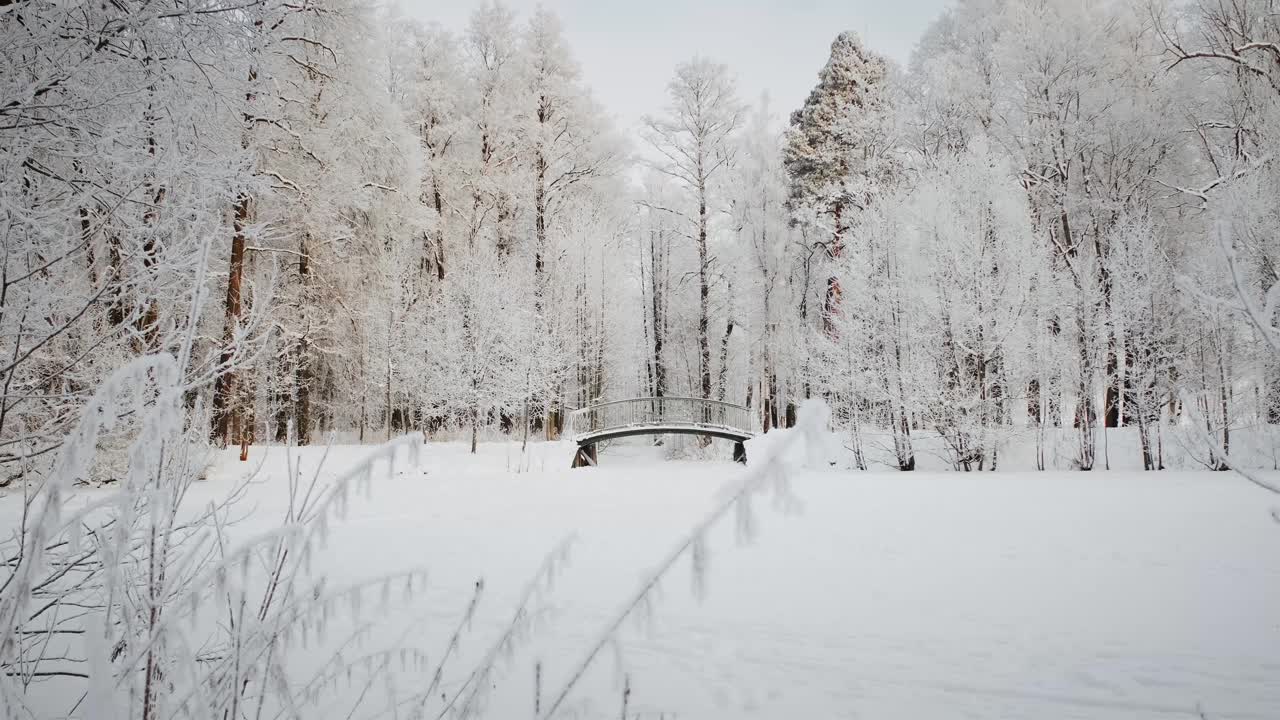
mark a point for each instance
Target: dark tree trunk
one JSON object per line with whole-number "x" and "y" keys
{"x": 722, "y": 384}
{"x": 304, "y": 373}
{"x": 540, "y": 246}
{"x": 86, "y": 236}
{"x": 540, "y": 197}
{"x": 1224, "y": 399}
{"x": 831, "y": 303}
{"x": 704, "y": 297}
{"x": 438, "y": 250}
{"x": 1085, "y": 416}
{"x": 116, "y": 314}
{"x": 302, "y": 405}
{"x": 227, "y": 411}
{"x": 659, "y": 317}
{"x": 907, "y": 459}
{"x": 772, "y": 415}
{"x": 1113, "y": 397}
{"x": 148, "y": 324}
{"x": 475, "y": 427}
{"x": 1033, "y": 403}
{"x": 1271, "y": 367}
{"x": 284, "y": 406}
{"x": 225, "y": 407}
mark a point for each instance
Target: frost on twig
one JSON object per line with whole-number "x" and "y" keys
{"x": 148, "y": 576}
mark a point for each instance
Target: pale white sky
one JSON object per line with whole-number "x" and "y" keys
{"x": 627, "y": 49}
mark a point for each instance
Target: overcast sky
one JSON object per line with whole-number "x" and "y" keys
{"x": 628, "y": 48}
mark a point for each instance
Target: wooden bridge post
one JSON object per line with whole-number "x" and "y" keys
{"x": 739, "y": 453}
{"x": 585, "y": 457}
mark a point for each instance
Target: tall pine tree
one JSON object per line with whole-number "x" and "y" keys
{"x": 834, "y": 144}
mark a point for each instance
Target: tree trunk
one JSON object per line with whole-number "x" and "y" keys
{"x": 1112, "y": 397}
{"x": 283, "y": 407}
{"x": 1225, "y": 405}
{"x": 1034, "y": 418}
{"x": 524, "y": 434}
{"x": 659, "y": 317}
{"x": 438, "y": 250}
{"x": 475, "y": 427}
{"x": 1271, "y": 364}
{"x": 302, "y": 405}
{"x": 86, "y": 236}
{"x": 1085, "y": 417}
{"x": 433, "y": 253}
{"x": 390, "y": 321}
{"x": 303, "y": 374}
{"x": 768, "y": 395}
{"x": 831, "y": 303}
{"x": 539, "y": 257}
{"x": 704, "y": 296}
{"x": 364, "y": 400}
{"x": 225, "y": 407}
{"x": 227, "y": 412}
{"x": 148, "y": 324}
{"x": 724, "y": 362}
{"x": 540, "y": 200}
{"x": 116, "y": 314}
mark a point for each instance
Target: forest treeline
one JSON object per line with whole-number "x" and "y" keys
{"x": 1059, "y": 215}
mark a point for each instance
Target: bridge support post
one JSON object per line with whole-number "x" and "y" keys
{"x": 740, "y": 453}
{"x": 586, "y": 456}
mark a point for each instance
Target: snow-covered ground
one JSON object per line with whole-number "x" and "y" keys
{"x": 883, "y": 595}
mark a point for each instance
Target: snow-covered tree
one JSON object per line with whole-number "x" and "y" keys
{"x": 765, "y": 240}
{"x": 695, "y": 146}
{"x": 838, "y": 146}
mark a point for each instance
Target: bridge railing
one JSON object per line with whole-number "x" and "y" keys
{"x": 649, "y": 412}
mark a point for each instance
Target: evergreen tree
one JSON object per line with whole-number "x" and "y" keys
{"x": 835, "y": 148}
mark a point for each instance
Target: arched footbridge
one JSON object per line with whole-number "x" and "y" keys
{"x": 657, "y": 416}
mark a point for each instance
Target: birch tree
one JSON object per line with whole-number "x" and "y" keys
{"x": 694, "y": 144}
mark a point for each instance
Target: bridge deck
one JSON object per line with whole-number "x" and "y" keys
{"x": 657, "y": 416}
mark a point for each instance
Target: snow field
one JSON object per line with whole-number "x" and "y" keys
{"x": 881, "y": 595}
